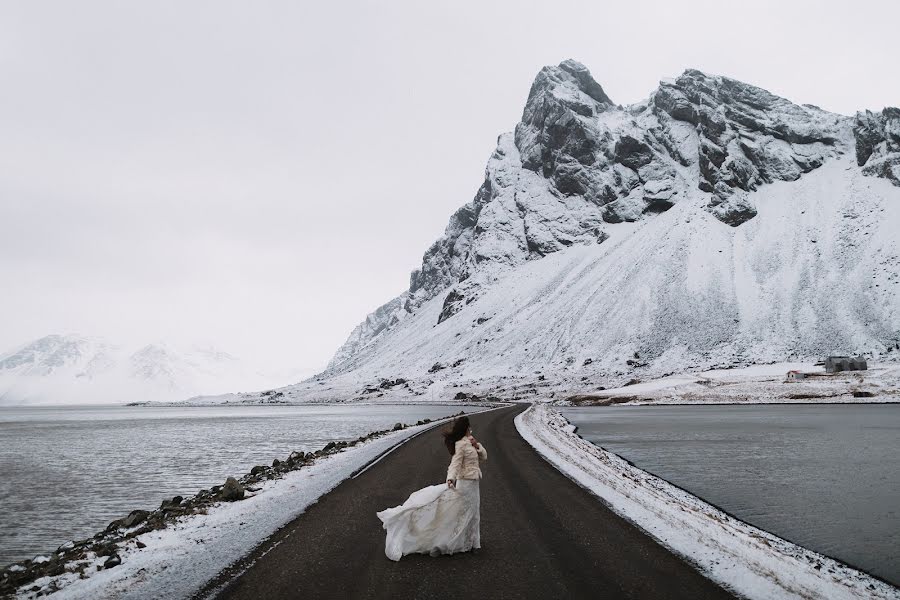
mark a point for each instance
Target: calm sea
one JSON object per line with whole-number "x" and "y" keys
{"x": 826, "y": 477}
{"x": 65, "y": 473}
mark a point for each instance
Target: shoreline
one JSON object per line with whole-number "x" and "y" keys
{"x": 124, "y": 540}
{"x": 753, "y": 562}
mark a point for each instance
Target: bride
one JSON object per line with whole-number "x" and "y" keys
{"x": 443, "y": 518}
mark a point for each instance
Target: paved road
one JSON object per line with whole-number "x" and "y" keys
{"x": 542, "y": 537}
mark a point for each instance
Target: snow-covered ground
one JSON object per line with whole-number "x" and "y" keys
{"x": 760, "y": 384}
{"x": 180, "y": 559}
{"x": 752, "y": 562}
{"x": 755, "y": 384}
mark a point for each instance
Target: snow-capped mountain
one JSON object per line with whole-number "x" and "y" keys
{"x": 62, "y": 369}
{"x": 713, "y": 224}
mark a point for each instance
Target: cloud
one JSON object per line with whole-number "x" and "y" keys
{"x": 261, "y": 176}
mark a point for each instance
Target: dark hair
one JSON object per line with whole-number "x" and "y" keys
{"x": 455, "y": 432}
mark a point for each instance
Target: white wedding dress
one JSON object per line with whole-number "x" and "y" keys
{"x": 435, "y": 520}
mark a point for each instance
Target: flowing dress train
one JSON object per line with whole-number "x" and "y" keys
{"x": 435, "y": 520}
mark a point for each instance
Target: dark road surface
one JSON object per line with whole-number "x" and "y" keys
{"x": 542, "y": 536}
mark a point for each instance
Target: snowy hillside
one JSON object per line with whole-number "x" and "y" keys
{"x": 62, "y": 369}
{"x": 712, "y": 225}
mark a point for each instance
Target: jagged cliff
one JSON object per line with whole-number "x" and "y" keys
{"x": 580, "y": 172}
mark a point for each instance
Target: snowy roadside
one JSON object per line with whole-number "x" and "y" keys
{"x": 747, "y": 560}
{"x": 177, "y": 561}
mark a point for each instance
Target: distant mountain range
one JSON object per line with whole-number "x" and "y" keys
{"x": 66, "y": 369}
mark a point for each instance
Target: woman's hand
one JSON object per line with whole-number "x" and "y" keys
{"x": 473, "y": 441}
{"x": 451, "y": 483}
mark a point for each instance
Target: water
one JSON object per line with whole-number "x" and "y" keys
{"x": 826, "y": 477}
{"x": 65, "y": 473}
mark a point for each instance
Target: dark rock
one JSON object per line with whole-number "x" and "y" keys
{"x": 436, "y": 367}
{"x": 460, "y": 396}
{"x": 105, "y": 549}
{"x": 863, "y": 394}
{"x": 389, "y": 383}
{"x": 733, "y": 211}
{"x": 112, "y": 561}
{"x": 453, "y": 303}
{"x": 276, "y": 463}
{"x": 140, "y": 544}
{"x": 113, "y": 525}
{"x": 657, "y": 205}
{"x": 135, "y": 517}
{"x": 231, "y": 491}
{"x": 397, "y": 427}
{"x": 258, "y": 469}
{"x": 632, "y": 153}
{"x": 587, "y": 361}
{"x": 877, "y": 138}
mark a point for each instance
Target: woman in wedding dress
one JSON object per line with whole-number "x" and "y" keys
{"x": 443, "y": 518}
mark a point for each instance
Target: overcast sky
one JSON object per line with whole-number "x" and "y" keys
{"x": 261, "y": 175}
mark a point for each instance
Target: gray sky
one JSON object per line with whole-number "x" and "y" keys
{"x": 261, "y": 175}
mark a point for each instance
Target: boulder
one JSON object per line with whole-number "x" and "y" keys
{"x": 231, "y": 491}
{"x": 135, "y": 517}
{"x": 174, "y": 502}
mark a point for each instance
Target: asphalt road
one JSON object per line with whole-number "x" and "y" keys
{"x": 542, "y": 536}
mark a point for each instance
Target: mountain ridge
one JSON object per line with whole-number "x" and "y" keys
{"x": 74, "y": 368}
{"x": 577, "y": 165}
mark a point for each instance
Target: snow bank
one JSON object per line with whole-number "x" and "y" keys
{"x": 747, "y": 560}
{"x": 180, "y": 559}
{"x": 761, "y": 384}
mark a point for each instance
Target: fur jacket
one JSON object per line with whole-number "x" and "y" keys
{"x": 464, "y": 464}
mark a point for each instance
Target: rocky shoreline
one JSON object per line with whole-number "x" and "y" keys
{"x": 80, "y": 556}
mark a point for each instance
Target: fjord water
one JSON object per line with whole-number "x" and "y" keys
{"x": 826, "y": 477}
{"x": 66, "y": 472}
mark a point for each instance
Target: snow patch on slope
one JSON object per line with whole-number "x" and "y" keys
{"x": 815, "y": 272}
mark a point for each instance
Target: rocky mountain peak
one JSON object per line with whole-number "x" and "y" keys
{"x": 556, "y": 135}
{"x": 577, "y": 165}
{"x": 747, "y": 136}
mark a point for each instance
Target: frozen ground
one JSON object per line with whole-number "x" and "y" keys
{"x": 758, "y": 384}
{"x": 752, "y": 562}
{"x": 180, "y": 559}
{"x": 764, "y": 383}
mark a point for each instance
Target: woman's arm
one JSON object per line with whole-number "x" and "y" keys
{"x": 482, "y": 453}
{"x": 479, "y": 449}
{"x": 453, "y": 469}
